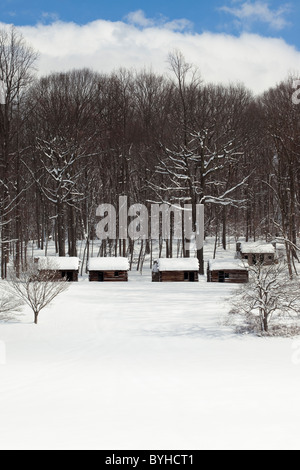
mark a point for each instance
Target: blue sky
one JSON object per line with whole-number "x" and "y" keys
{"x": 228, "y": 16}
{"x": 256, "y": 42}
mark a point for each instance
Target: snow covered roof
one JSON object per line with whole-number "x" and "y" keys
{"x": 53, "y": 263}
{"x": 108, "y": 264}
{"x": 226, "y": 265}
{"x": 257, "y": 248}
{"x": 178, "y": 264}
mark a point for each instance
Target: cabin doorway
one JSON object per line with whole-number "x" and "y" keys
{"x": 189, "y": 277}
{"x": 69, "y": 275}
{"x": 221, "y": 276}
{"x": 258, "y": 259}
{"x": 100, "y": 277}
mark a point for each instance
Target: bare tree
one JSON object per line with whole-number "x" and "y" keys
{"x": 206, "y": 168}
{"x": 17, "y": 61}
{"x": 187, "y": 81}
{"x": 65, "y": 137}
{"x": 282, "y": 130}
{"x": 270, "y": 295}
{"x": 37, "y": 288}
{"x": 9, "y": 305}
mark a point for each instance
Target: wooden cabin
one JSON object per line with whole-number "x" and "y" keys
{"x": 108, "y": 269}
{"x": 227, "y": 271}
{"x": 255, "y": 253}
{"x": 176, "y": 270}
{"x": 64, "y": 267}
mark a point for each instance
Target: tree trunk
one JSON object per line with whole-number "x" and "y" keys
{"x": 72, "y": 232}
{"x": 266, "y": 326}
{"x": 200, "y": 256}
{"x": 61, "y": 231}
{"x": 224, "y": 241}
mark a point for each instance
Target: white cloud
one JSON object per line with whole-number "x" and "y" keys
{"x": 50, "y": 16}
{"x": 257, "y": 61}
{"x": 259, "y": 11}
{"x": 139, "y": 18}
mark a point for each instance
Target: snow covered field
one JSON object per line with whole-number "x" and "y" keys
{"x": 145, "y": 366}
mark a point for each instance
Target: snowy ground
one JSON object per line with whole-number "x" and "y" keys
{"x": 145, "y": 366}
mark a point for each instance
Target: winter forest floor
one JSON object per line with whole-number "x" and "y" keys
{"x": 145, "y": 366}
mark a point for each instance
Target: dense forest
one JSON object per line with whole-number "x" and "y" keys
{"x": 71, "y": 141}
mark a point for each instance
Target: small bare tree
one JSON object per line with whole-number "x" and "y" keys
{"x": 37, "y": 288}
{"x": 270, "y": 294}
{"x": 9, "y": 305}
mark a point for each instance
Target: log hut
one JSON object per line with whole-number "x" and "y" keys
{"x": 176, "y": 270}
{"x": 64, "y": 267}
{"x": 108, "y": 269}
{"x": 227, "y": 271}
{"x": 255, "y": 253}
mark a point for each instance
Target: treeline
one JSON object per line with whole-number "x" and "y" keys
{"x": 71, "y": 141}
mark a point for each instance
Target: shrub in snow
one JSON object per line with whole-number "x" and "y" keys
{"x": 37, "y": 288}
{"x": 269, "y": 302}
{"x": 9, "y": 305}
